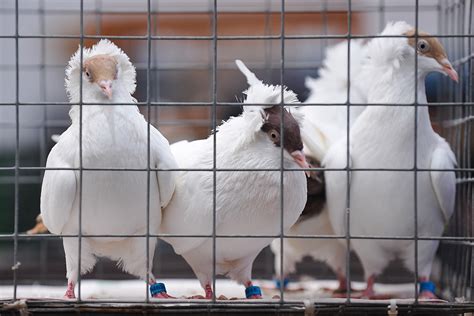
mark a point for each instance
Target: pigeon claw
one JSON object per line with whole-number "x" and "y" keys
{"x": 70, "y": 291}
{"x": 162, "y": 295}
{"x": 427, "y": 295}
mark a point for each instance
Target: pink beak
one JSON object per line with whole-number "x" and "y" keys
{"x": 106, "y": 86}
{"x": 449, "y": 70}
{"x": 300, "y": 159}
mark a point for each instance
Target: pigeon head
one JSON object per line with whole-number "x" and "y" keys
{"x": 101, "y": 70}
{"x": 105, "y": 71}
{"x": 292, "y": 142}
{"x": 400, "y": 46}
{"x": 431, "y": 54}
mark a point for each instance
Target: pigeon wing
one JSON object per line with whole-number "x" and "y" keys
{"x": 444, "y": 182}
{"x": 58, "y": 191}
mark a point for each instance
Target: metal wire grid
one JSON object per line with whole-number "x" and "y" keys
{"x": 457, "y": 257}
{"x": 463, "y": 99}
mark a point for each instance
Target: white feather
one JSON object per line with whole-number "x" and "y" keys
{"x": 323, "y": 126}
{"x": 113, "y": 202}
{"x": 246, "y": 202}
{"x": 382, "y": 202}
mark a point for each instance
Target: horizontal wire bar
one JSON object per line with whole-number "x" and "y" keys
{"x": 356, "y": 8}
{"x": 339, "y": 305}
{"x": 200, "y": 66}
{"x": 242, "y": 236}
{"x": 228, "y": 37}
{"x": 37, "y": 179}
{"x": 66, "y": 123}
{"x": 206, "y": 103}
{"x": 239, "y": 170}
{"x": 462, "y": 60}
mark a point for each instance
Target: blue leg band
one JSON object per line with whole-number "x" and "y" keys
{"x": 285, "y": 283}
{"x": 427, "y": 286}
{"x": 252, "y": 290}
{"x": 157, "y": 288}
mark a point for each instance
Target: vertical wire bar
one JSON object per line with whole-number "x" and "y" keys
{"x": 214, "y": 149}
{"x": 381, "y": 14}
{"x": 324, "y": 9}
{"x": 81, "y": 167}
{"x": 448, "y": 29}
{"x": 467, "y": 45}
{"x": 98, "y": 17}
{"x": 17, "y": 155}
{"x": 415, "y": 189}
{"x": 439, "y": 97}
{"x": 461, "y": 138}
{"x": 268, "y": 66}
{"x": 268, "y": 45}
{"x": 154, "y": 76}
{"x": 282, "y": 105}
{"x": 156, "y": 73}
{"x": 43, "y": 129}
{"x": 148, "y": 172}
{"x": 455, "y": 50}
{"x": 98, "y": 30}
{"x": 468, "y": 158}
{"x": 348, "y": 155}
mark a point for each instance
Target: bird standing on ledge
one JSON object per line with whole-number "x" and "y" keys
{"x": 324, "y": 125}
{"x": 247, "y": 202}
{"x": 112, "y": 202}
{"x": 382, "y": 203}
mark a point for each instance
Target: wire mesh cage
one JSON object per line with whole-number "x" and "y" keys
{"x": 187, "y": 83}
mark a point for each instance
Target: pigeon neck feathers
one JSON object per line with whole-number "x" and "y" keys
{"x": 392, "y": 61}
{"x": 124, "y": 85}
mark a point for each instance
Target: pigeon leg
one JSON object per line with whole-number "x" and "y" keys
{"x": 427, "y": 289}
{"x": 158, "y": 290}
{"x": 342, "y": 287}
{"x": 207, "y": 290}
{"x": 252, "y": 291}
{"x": 70, "y": 291}
{"x": 369, "y": 290}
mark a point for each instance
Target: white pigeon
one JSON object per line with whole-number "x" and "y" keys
{"x": 322, "y": 127}
{"x": 382, "y": 203}
{"x": 113, "y": 202}
{"x": 247, "y": 202}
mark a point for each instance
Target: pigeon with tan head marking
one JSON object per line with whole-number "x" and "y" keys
{"x": 382, "y": 203}
{"x": 112, "y": 202}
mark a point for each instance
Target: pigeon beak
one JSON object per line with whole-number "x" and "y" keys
{"x": 449, "y": 70}
{"x": 300, "y": 159}
{"x": 106, "y": 86}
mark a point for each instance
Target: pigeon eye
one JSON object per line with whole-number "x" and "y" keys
{"x": 274, "y": 135}
{"x": 423, "y": 46}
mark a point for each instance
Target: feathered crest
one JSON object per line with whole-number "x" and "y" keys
{"x": 268, "y": 95}
{"x": 243, "y": 129}
{"x": 126, "y": 71}
{"x": 390, "y": 50}
{"x": 263, "y": 94}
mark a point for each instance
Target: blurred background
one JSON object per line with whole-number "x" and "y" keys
{"x": 181, "y": 72}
